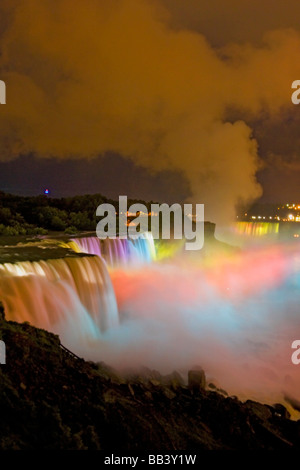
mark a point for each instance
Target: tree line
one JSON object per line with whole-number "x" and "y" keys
{"x": 37, "y": 215}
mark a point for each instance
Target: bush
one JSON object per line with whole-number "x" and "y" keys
{"x": 10, "y": 231}
{"x": 71, "y": 230}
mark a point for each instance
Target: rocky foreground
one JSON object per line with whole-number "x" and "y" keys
{"x": 50, "y": 399}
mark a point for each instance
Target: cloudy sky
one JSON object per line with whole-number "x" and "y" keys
{"x": 157, "y": 99}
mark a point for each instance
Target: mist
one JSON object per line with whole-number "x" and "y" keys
{"x": 236, "y": 319}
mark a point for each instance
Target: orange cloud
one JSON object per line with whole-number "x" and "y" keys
{"x": 85, "y": 78}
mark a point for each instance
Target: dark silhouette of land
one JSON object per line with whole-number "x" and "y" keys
{"x": 50, "y": 399}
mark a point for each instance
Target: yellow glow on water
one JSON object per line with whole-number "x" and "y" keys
{"x": 167, "y": 249}
{"x": 70, "y": 244}
{"x": 257, "y": 229}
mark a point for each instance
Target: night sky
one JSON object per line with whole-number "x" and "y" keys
{"x": 161, "y": 100}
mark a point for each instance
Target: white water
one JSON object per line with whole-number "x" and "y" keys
{"x": 72, "y": 297}
{"x": 119, "y": 252}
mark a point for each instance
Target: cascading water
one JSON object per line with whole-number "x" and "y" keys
{"x": 72, "y": 297}
{"x": 257, "y": 229}
{"x": 118, "y": 251}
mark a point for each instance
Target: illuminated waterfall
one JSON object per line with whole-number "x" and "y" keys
{"x": 257, "y": 229}
{"x": 118, "y": 251}
{"x": 72, "y": 297}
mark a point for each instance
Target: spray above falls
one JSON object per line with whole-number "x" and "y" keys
{"x": 151, "y": 93}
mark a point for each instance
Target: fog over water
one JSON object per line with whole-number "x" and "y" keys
{"x": 233, "y": 312}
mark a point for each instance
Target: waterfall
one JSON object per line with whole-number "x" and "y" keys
{"x": 118, "y": 251}
{"x": 72, "y": 297}
{"x": 257, "y": 229}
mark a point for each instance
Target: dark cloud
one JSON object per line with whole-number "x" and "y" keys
{"x": 233, "y": 20}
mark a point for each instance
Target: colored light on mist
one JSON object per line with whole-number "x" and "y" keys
{"x": 46, "y": 191}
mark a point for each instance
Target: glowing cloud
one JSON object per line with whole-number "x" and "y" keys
{"x": 88, "y": 77}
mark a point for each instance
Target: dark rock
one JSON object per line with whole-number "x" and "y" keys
{"x": 196, "y": 380}
{"x": 148, "y": 395}
{"x": 281, "y": 410}
{"x": 51, "y": 400}
{"x": 131, "y": 389}
{"x": 169, "y": 394}
{"x": 174, "y": 380}
{"x": 212, "y": 386}
{"x": 2, "y": 313}
{"x": 262, "y": 411}
{"x": 144, "y": 375}
{"x": 155, "y": 383}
